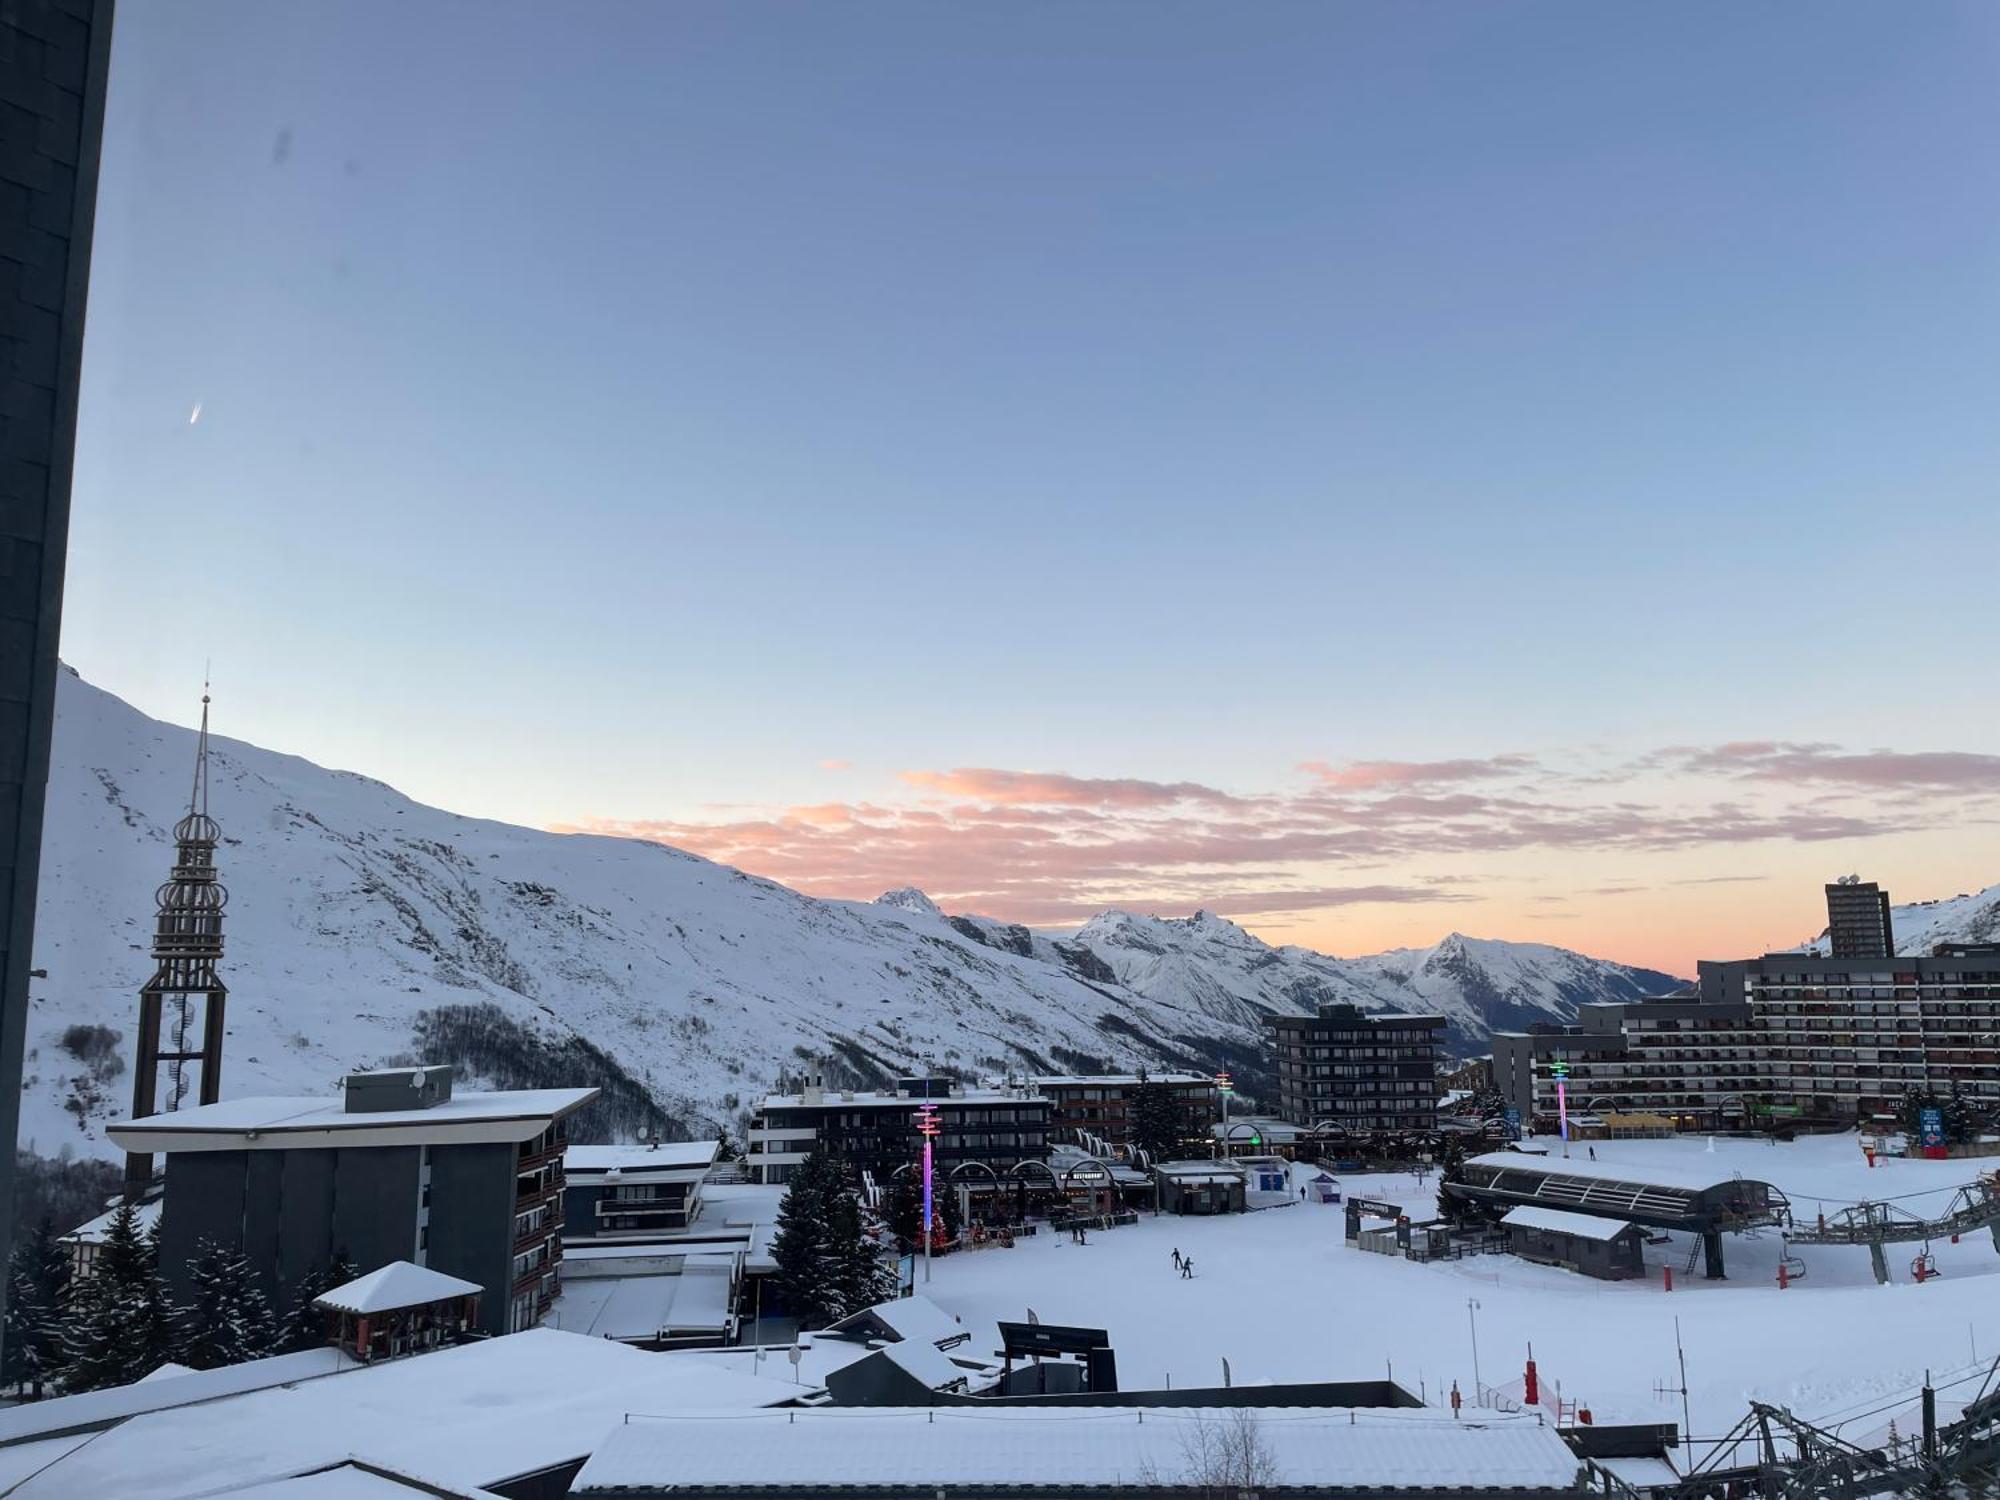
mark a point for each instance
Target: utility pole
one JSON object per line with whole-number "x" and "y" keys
{"x": 1472, "y": 1318}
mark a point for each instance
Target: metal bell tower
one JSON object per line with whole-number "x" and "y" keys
{"x": 185, "y": 997}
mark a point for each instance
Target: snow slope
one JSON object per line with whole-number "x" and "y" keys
{"x": 356, "y": 912}
{"x": 1922, "y": 925}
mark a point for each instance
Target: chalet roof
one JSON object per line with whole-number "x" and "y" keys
{"x": 398, "y": 1285}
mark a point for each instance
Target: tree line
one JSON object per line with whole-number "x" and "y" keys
{"x": 118, "y": 1324}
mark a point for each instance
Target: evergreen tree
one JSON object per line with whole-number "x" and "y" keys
{"x": 305, "y": 1326}
{"x": 861, "y": 1277}
{"x": 1156, "y": 1126}
{"x": 121, "y": 1326}
{"x": 228, "y": 1319}
{"x": 806, "y": 1273}
{"x": 38, "y": 1283}
{"x": 906, "y": 1210}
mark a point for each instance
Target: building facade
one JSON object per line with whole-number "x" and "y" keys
{"x": 634, "y": 1192}
{"x": 399, "y": 1169}
{"x": 1857, "y": 920}
{"x": 1363, "y": 1072}
{"x": 874, "y": 1132}
{"x": 1786, "y": 1036}
{"x": 1099, "y": 1105}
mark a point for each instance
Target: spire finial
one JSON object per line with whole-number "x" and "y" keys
{"x": 198, "y": 794}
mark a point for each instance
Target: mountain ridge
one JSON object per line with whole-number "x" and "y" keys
{"x": 366, "y": 927}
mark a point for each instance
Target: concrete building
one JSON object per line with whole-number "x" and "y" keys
{"x": 1099, "y": 1105}
{"x": 634, "y": 1192}
{"x": 875, "y": 1131}
{"x": 1789, "y": 1036}
{"x": 1363, "y": 1072}
{"x": 1857, "y": 920}
{"x": 398, "y": 1169}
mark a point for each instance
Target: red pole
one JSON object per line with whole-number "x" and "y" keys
{"x": 1784, "y": 1280}
{"x": 1531, "y": 1385}
{"x": 1668, "y": 1272}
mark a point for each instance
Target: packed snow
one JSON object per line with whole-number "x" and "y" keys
{"x": 1281, "y": 1297}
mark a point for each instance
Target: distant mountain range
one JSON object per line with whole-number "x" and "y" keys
{"x": 365, "y": 927}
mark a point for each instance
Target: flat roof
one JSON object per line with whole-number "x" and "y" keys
{"x": 830, "y": 1449}
{"x": 880, "y": 1099}
{"x": 1081, "y": 1080}
{"x": 1583, "y": 1226}
{"x": 676, "y": 1156}
{"x": 693, "y": 1299}
{"x": 160, "y": 1392}
{"x": 469, "y": 1416}
{"x": 277, "y": 1122}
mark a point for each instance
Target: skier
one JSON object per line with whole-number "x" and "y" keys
{"x": 1593, "y": 1153}
{"x": 1187, "y": 1268}
{"x": 1177, "y": 1257}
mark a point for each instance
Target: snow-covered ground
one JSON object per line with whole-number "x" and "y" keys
{"x": 1282, "y": 1297}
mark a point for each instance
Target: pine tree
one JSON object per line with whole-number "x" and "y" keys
{"x": 806, "y": 1273}
{"x": 305, "y": 1326}
{"x": 121, "y": 1326}
{"x": 227, "y": 1319}
{"x": 38, "y": 1283}
{"x": 1156, "y": 1120}
{"x": 861, "y": 1277}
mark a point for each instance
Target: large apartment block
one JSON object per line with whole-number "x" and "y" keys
{"x": 1788, "y": 1035}
{"x": 875, "y": 1131}
{"x": 1099, "y": 1105}
{"x": 399, "y": 1168}
{"x": 1361, "y": 1071}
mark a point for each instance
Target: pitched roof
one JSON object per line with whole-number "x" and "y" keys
{"x": 397, "y": 1285}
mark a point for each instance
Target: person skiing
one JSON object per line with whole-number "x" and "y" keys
{"x": 1177, "y": 1257}
{"x": 1187, "y": 1267}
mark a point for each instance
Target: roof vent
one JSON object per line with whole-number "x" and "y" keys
{"x": 398, "y": 1088}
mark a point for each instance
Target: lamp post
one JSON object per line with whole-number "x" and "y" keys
{"x": 1472, "y": 1318}
{"x": 927, "y": 1127}
{"x": 1223, "y": 1087}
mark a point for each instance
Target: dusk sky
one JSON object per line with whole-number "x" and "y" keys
{"x": 1367, "y": 469}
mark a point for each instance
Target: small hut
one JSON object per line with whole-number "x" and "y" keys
{"x": 402, "y": 1309}
{"x": 1609, "y": 1249}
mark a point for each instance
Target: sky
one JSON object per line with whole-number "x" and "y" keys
{"x": 1370, "y": 470}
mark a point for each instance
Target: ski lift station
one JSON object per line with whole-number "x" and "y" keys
{"x": 1707, "y": 1204}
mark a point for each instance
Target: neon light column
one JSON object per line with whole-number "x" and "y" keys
{"x": 927, "y": 1127}
{"x": 1559, "y": 1070}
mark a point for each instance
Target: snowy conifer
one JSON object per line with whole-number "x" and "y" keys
{"x": 1156, "y": 1121}
{"x": 38, "y": 1282}
{"x": 228, "y": 1318}
{"x": 807, "y": 1273}
{"x": 121, "y": 1326}
{"x": 305, "y": 1326}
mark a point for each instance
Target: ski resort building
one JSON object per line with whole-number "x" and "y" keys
{"x": 875, "y": 1131}
{"x": 1786, "y": 1036}
{"x": 634, "y": 1192}
{"x": 1099, "y": 1105}
{"x": 1362, "y": 1072}
{"x": 397, "y": 1169}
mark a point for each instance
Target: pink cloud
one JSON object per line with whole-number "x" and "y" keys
{"x": 836, "y": 765}
{"x": 1371, "y": 775}
{"x": 1054, "y": 789}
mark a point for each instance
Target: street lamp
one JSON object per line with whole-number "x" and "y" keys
{"x": 927, "y": 1127}
{"x": 1472, "y": 1318}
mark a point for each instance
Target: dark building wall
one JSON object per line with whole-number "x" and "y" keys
{"x": 204, "y": 1200}
{"x": 472, "y": 1222}
{"x": 374, "y": 1205}
{"x": 54, "y": 55}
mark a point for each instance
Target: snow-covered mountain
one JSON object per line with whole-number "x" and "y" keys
{"x": 1922, "y": 925}
{"x": 364, "y": 926}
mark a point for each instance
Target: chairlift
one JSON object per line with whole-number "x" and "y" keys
{"x": 1794, "y": 1265}
{"x": 1924, "y": 1267}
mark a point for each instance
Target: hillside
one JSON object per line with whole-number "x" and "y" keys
{"x": 365, "y": 927}
{"x": 1920, "y": 926}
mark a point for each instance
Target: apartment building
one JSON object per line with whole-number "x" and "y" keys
{"x": 875, "y": 1131}
{"x": 1099, "y": 1105}
{"x": 1361, "y": 1071}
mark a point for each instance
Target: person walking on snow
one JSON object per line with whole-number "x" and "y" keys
{"x": 1177, "y": 1257}
{"x": 1187, "y": 1267}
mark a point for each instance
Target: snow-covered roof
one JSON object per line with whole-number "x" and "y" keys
{"x": 1117, "y": 1080}
{"x": 917, "y": 1319}
{"x": 694, "y": 1299}
{"x": 842, "y": 1448}
{"x": 960, "y": 1097}
{"x": 397, "y": 1285}
{"x": 925, "y": 1362}
{"x": 1200, "y": 1171}
{"x": 474, "y": 1415}
{"x": 279, "y": 1122}
{"x": 1650, "y": 1175}
{"x": 92, "y": 1231}
{"x": 1557, "y": 1221}
{"x": 674, "y": 1156}
{"x": 89, "y": 1409}
{"x": 353, "y": 1481}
